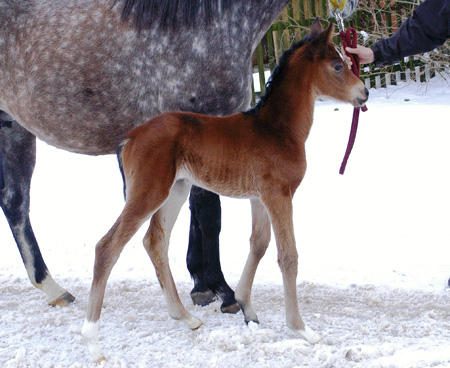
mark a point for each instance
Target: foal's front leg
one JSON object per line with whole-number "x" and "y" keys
{"x": 280, "y": 210}
{"x": 156, "y": 243}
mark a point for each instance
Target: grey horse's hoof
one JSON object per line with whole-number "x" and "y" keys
{"x": 231, "y": 309}
{"x": 203, "y": 298}
{"x": 63, "y": 301}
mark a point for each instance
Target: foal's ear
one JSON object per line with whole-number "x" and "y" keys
{"x": 316, "y": 28}
{"x": 326, "y": 36}
{"x": 329, "y": 31}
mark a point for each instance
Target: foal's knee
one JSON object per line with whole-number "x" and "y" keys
{"x": 102, "y": 253}
{"x": 154, "y": 239}
{"x": 259, "y": 242}
{"x": 108, "y": 249}
{"x": 288, "y": 262}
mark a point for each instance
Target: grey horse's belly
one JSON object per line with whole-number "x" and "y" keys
{"x": 83, "y": 91}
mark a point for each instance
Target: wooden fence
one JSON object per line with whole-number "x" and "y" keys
{"x": 372, "y": 19}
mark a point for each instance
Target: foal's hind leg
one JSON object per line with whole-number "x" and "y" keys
{"x": 17, "y": 159}
{"x": 203, "y": 257}
{"x": 259, "y": 241}
{"x": 107, "y": 253}
{"x": 156, "y": 243}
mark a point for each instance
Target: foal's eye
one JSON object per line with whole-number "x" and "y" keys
{"x": 338, "y": 67}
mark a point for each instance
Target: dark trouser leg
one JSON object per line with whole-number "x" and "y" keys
{"x": 17, "y": 160}
{"x": 203, "y": 258}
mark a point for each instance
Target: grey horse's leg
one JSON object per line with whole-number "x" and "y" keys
{"x": 17, "y": 160}
{"x": 203, "y": 258}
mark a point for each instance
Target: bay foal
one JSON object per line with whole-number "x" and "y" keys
{"x": 258, "y": 155}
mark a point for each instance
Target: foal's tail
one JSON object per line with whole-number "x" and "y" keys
{"x": 119, "y": 158}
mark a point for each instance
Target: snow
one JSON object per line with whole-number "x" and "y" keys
{"x": 373, "y": 244}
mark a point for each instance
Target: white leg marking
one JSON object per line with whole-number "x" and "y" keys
{"x": 309, "y": 335}
{"x": 48, "y": 285}
{"x": 193, "y": 322}
{"x": 52, "y": 289}
{"x": 89, "y": 333}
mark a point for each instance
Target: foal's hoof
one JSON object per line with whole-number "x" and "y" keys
{"x": 193, "y": 322}
{"x": 309, "y": 335}
{"x": 63, "y": 301}
{"x": 203, "y": 298}
{"x": 249, "y": 320}
{"x": 232, "y": 308}
{"x": 100, "y": 360}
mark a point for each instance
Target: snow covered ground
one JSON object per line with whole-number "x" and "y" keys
{"x": 373, "y": 244}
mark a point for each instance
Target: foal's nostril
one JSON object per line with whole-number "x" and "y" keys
{"x": 366, "y": 91}
{"x": 361, "y": 101}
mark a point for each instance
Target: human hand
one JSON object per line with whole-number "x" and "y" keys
{"x": 365, "y": 54}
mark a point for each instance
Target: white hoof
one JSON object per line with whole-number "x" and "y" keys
{"x": 309, "y": 335}
{"x": 193, "y": 322}
{"x": 89, "y": 333}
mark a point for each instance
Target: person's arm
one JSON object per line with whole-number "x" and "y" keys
{"x": 425, "y": 30}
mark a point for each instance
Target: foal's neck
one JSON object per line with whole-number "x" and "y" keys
{"x": 290, "y": 108}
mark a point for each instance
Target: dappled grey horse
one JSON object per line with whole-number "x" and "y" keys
{"x": 79, "y": 74}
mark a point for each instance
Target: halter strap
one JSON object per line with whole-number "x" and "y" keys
{"x": 349, "y": 39}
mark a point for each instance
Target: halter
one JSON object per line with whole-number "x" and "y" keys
{"x": 349, "y": 39}
{"x": 341, "y": 9}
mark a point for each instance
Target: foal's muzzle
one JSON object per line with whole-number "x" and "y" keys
{"x": 362, "y": 101}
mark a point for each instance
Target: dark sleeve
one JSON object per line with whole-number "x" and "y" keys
{"x": 425, "y": 30}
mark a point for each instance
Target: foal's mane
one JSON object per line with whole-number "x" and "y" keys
{"x": 174, "y": 13}
{"x": 278, "y": 75}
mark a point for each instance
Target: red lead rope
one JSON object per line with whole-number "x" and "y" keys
{"x": 349, "y": 39}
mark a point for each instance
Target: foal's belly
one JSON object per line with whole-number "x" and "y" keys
{"x": 229, "y": 190}
{"x": 235, "y": 186}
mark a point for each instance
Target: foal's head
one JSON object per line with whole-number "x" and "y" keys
{"x": 330, "y": 74}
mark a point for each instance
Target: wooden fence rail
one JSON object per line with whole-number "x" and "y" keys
{"x": 373, "y": 20}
